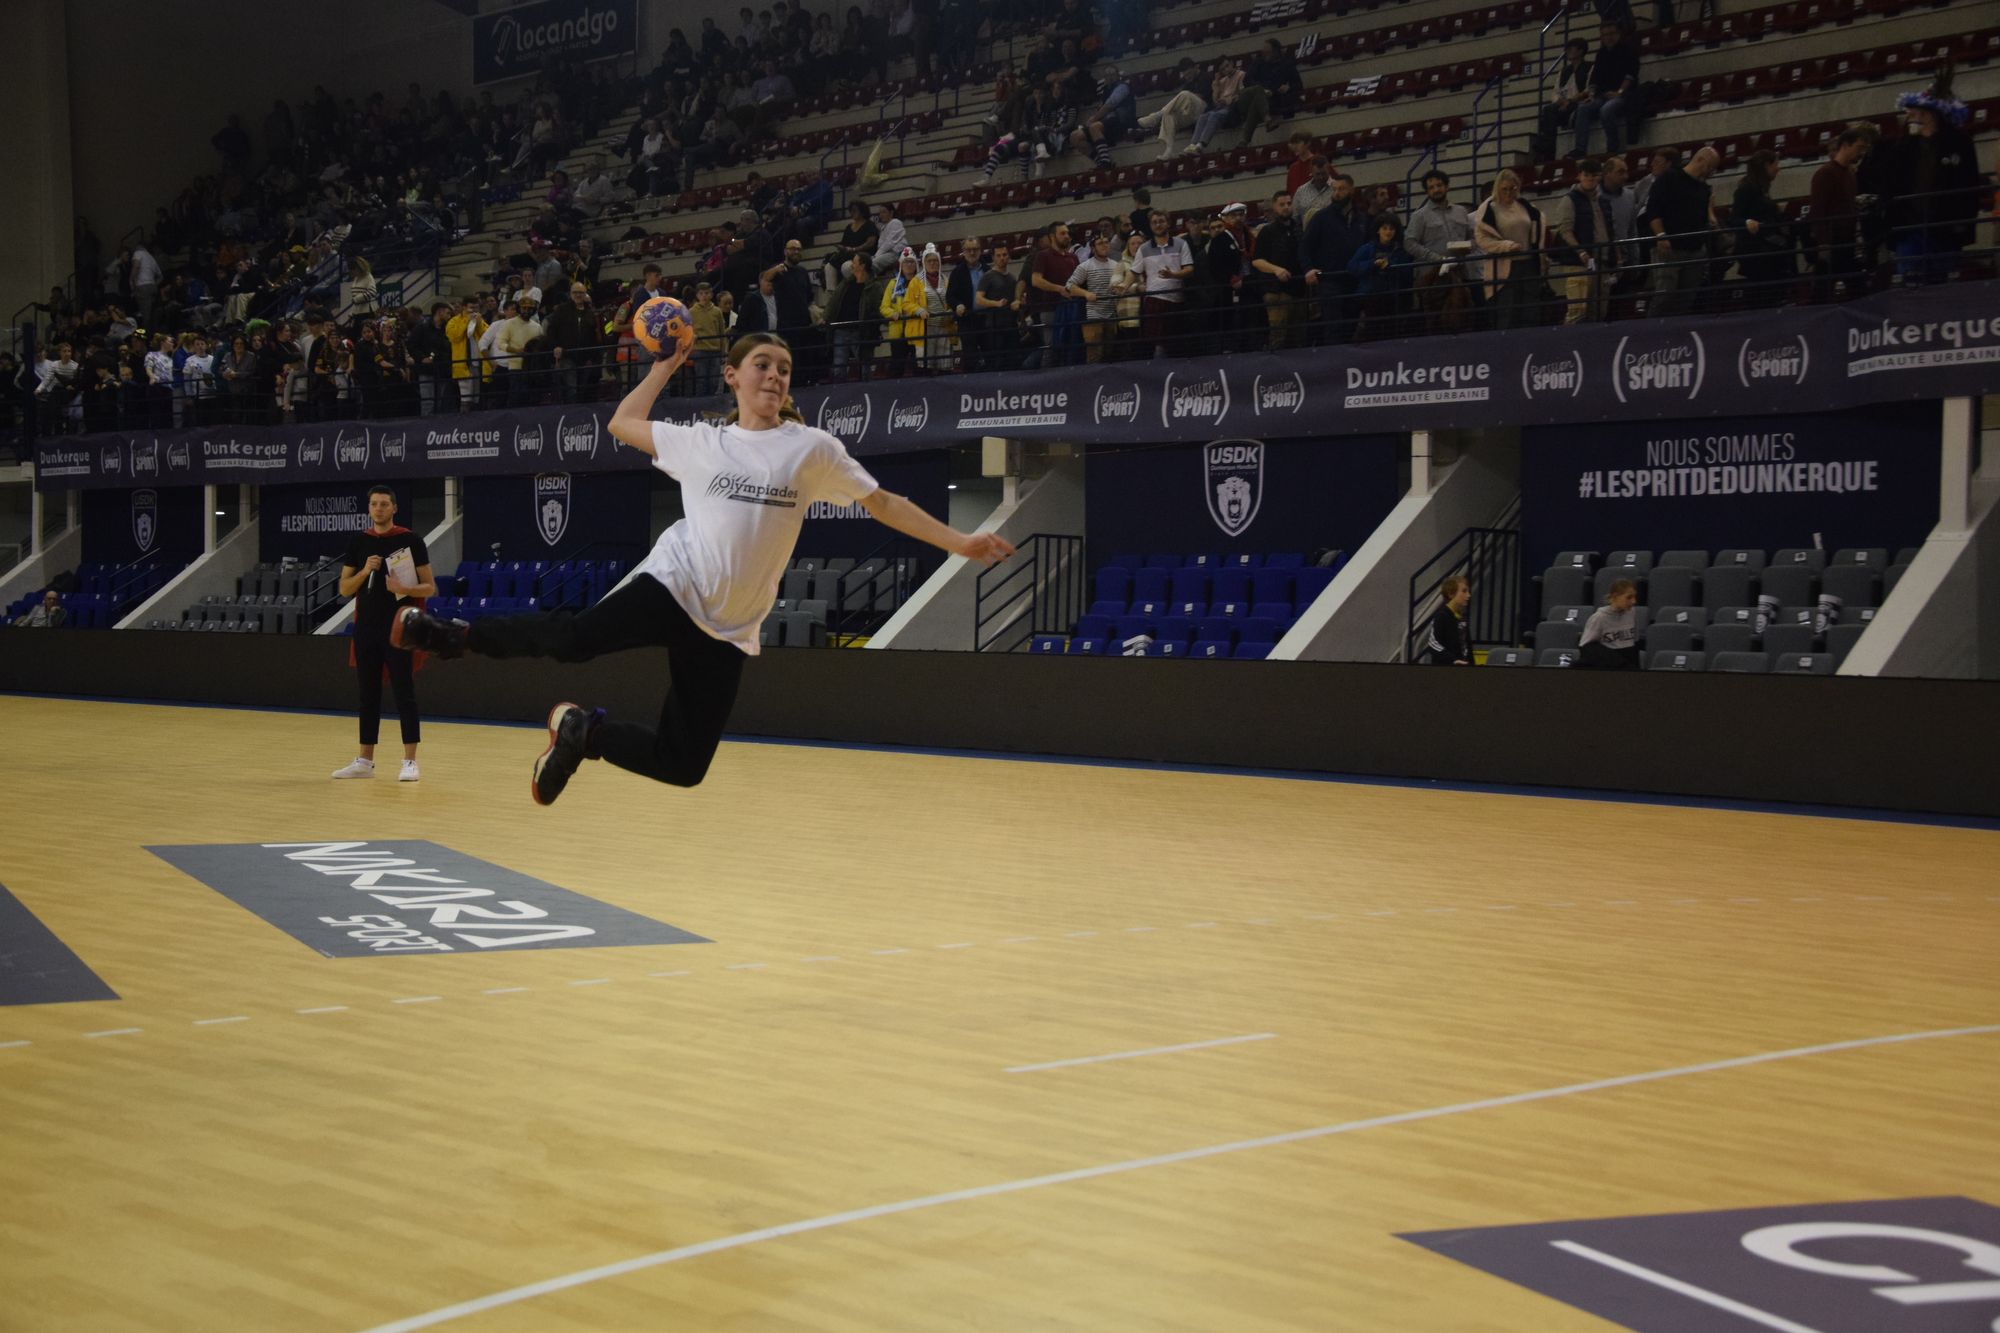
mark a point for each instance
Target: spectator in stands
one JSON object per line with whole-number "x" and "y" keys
{"x": 1115, "y": 116}
{"x": 998, "y": 312}
{"x": 1381, "y": 270}
{"x": 1572, "y": 79}
{"x": 902, "y": 310}
{"x": 962, "y": 285}
{"x": 1832, "y": 210}
{"x": 1274, "y": 73}
{"x": 1299, "y": 169}
{"x": 1331, "y": 240}
{"x": 1933, "y": 183}
{"x": 1025, "y": 135}
{"x": 462, "y": 332}
{"x": 791, "y": 282}
{"x": 1225, "y": 87}
{"x": 1611, "y": 635}
{"x": 858, "y": 237}
{"x": 891, "y": 239}
{"x": 1315, "y": 194}
{"x": 1614, "y": 76}
{"x": 1276, "y": 251}
{"x": 1447, "y": 640}
{"x": 1226, "y": 264}
{"x": 386, "y": 567}
{"x": 49, "y": 614}
{"x": 760, "y": 308}
{"x": 1438, "y": 239}
{"x": 574, "y": 336}
{"x": 145, "y": 277}
{"x": 363, "y": 299}
{"x": 1185, "y": 107}
{"x": 596, "y": 192}
{"x": 1586, "y": 256}
{"x": 1166, "y": 264}
{"x": 198, "y": 382}
{"x": 512, "y": 337}
{"x": 1682, "y": 214}
{"x": 1055, "y": 314}
{"x": 1507, "y": 229}
{"x": 939, "y": 351}
{"x": 1093, "y": 281}
{"x": 845, "y": 317}
{"x": 1764, "y": 254}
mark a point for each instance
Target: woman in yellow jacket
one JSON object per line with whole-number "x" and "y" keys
{"x": 905, "y": 301}
{"x": 462, "y": 331}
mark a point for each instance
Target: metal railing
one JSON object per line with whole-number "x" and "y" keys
{"x": 1491, "y": 559}
{"x": 874, "y": 587}
{"x": 1038, "y": 591}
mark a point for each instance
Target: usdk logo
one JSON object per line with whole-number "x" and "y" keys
{"x": 1284, "y": 394}
{"x": 909, "y": 416}
{"x": 179, "y": 457}
{"x": 1115, "y": 405}
{"x": 849, "y": 421}
{"x": 312, "y": 453}
{"x": 1196, "y": 399}
{"x": 576, "y": 440}
{"x": 1652, "y": 366}
{"x": 111, "y": 459}
{"x": 527, "y": 441}
{"x": 350, "y": 451}
{"x": 393, "y": 447}
{"x": 552, "y": 506}
{"x": 146, "y": 460}
{"x": 1558, "y": 378}
{"x": 1232, "y": 475}
{"x": 1773, "y": 362}
{"x": 145, "y": 519}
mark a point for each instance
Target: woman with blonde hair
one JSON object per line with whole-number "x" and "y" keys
{"x": 1507, "y": 229}
{"x": 746, "y": 484}
{"x": 939, "y": 349}
{"x": 362, "y": 300}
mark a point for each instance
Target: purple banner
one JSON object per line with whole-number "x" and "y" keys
{"x": 1922, "y": 343}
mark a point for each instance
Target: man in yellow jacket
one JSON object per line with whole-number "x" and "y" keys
{"x": 463, "y": 331}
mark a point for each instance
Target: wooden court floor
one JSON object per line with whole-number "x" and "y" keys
{"x": 847, "y": 1111}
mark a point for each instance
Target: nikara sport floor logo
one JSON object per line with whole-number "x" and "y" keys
{"x": 369, "y": 899}
{"x": 1232, "y": 475}
{"x": 1879, "y": 1266}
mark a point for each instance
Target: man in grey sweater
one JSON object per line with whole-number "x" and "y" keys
{"x": 1440, "y": 283}
{"x": 1611, "y": 637}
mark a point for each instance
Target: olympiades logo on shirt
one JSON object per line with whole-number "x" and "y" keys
{"x": 1283, "y": 394}
{"x": 849, "y": 421}
{"x": 1116, "y": 406}
{"x": 1200, "y": 399}
{"x": 1650, "y": 368}
{"x": 735, "y": 486}
{"x": 527, "y": 441}
{"x": 350, "y": 451}
{"x": 180, "y": 458}
{"x": 146, "y": 460}
{"x": 393, "y": 448}
{"x": 576, "y": 439}
{"x": 111, "y": 460}
{"x": 1761, "y": 361}
{"x": 1557, "y": 377}
{"x": 552, "y": 506}
{"x": 312, "y": 453}
{"x": 1232, "y": 482}
{"x": 909, "y": 418}
{"x": 145, "y": 519}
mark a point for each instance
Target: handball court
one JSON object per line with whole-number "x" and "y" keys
{"x": 876, "y": 1094}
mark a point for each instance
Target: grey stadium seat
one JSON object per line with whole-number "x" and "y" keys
{"x": 1840, "y": 641}
{"x": 767, "y": 633}
{"x": 1564, "y": 585}
{"x": 797, "y": 585}
{"x": 1631, "y": 561}
{"x": 1682, "y": 560}
{"x": 1730, "y": 637}
{"x": 1854, "y": 585}
{"x": 1802, "y": 664}
{"x": 1742, "y": 557}
{"x": 1673, "y": 585}
{"x": 1747, "y": 663}
{"x": 1556, "y": 657}
{"x": 1891, "y": 577}
{"x": 1667, "y": 613}
{"x": 1728, "y": 585}
{"x": 1510, "y": 657}
{"x": 1791, "y": 584}
{"x": 1790, "y": 637}
{"x": 1570, "y": 615}
{"x": 1673, "y": 661}
{"x": 802, "y": 631}
{"x": 1808, "y": 557}
{"x": 814, "y": 609}
{"x": 1673, "y": 638}
{"x": 1574, "y": 560}
{"x": 1600, "y": 586}
{"x": 1557, "y": 634}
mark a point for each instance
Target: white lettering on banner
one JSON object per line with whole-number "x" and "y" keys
{"x": 254, "y": 455}
{"x": 909, "y": 416}
{"x": 1109, "y": 406}
{"x": 828, "y": 509}
{"x": 1405, "y": 385}
{"x": 440, "y": 445}
{"x": 1676, "y": 368}
{"x": 849, "y": 422}
{"x": 422, "y": 888}
{"x": 1775, "y": 447}
{"x": 1559, "y": 377}
{"x": 1773, "y": 363}
{"x": 64, "y": 463}
{"x": 514, "y": 40}
{"x": 327, "y": 513}
{"x": 990, "y": 411}
{"x": 1201, "y": 397}
{"x": 1837, "y": 478}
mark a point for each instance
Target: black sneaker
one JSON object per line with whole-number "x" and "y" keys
{"x": 414, "y": 628}
{"x": 569, "y": 729}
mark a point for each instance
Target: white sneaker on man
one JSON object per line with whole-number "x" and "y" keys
{"x": 409, "y": 773}
{"x": 360, "y": 768}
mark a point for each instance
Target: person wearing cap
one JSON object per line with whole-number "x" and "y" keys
{"x": 903, "y": 305}
{"x": 512, "y": 337}
{"x": 1225, "y": 262}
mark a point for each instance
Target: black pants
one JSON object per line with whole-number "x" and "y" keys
{"x": 372, "y": 653}
{"x": 705, "y": 674}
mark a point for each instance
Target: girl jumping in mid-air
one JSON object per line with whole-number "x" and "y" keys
{"x": 703, "y": 592}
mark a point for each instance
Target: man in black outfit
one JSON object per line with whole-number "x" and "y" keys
{"x": 1448, "y": 640}
{"x": 386, "y": 566}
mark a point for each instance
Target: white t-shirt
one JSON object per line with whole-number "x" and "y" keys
{"x": 746, "y": 493}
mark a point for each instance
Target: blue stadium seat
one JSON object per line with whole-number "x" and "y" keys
{"x": 1230, "y": 585}
{"x": 1281, "y": 612}
{"x": 1205, "y": 561}
{"x": 1285, "y": 560}
{"x": 1131, "y": 627}
{"x": 1152, "y": 584}
{"x": 1116, "y": 608}
{"x": 1168, "y": 562}
{"x": 1271, "y": 585}
{"x": 1092, "y": 627}
{"x": 1166, "y": 648}
{"x": 1210, "y": 649}
{"x": 1242, "y": 560}
{"x": 1257, "y": 651}
{"x": 1262, "y": 629}
{"x": 1114, "y": 584}
{"x": 1311, "y": 582}
{"x": 1179, "y": 628}
{"x": 1190, "y": 585}
{"x": 1216, "y": 629}
{"x": 1229, "y": 610}
{"x": 1192, "y": 610}
{"x": 1047, "y": 643}
{"x": 1088, "y": 647}
{"x": 1149, "y": 608}
{"x": 1126, "y": 562}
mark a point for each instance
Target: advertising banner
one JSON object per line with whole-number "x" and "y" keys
{"x": 521, "y": 40}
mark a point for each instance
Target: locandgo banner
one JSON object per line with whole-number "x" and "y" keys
{"x": 1904, "y": 344}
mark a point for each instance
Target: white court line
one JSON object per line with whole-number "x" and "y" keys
{"x": 879, "y": 952}
{"x": 211, "y": 1022}
{"x": 10, "y": 1045}
{"x": 1502, "y": 907}
{"x": 1200, "y": 925}
{"x": 324, "y": 1009}
{"x": 1139, "y": 930}
{"x": 660, "y": 974}
{"x": 1384, "y": 912}
{"x": 594, "y": 981}
{"x": 1021, "y": 939}
{"x": 1264, "y": 920}
{"x": 115, "y": 1032}
{"x": 954, "y": 946}
{"x": 742, "y": 1239}
{"x": 1674, "y": 1284}
{"x": 417, "y": 999}
{"x": 1319, "y": 916}
{"x": 504, "y": 990}
{"x": 1134, "y": 1055}
{"x": 743, "y": 967}
{"x": 822, "y": 958}
{"x": 1091, "y": 934}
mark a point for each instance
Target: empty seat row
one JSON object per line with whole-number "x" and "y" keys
{"x": 249, "y": 626}
{"x": 1785, "y": 664}
{"x": 1198, "y": 584}
{"x": 1261, "y": 625}
{"x": 1080, "y": 645}
{"x": 1857, "y": 577}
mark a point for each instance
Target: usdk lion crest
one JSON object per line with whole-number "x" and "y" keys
{"x": 552, "y": 506}
{"x": 145, "y": 519}
{"x": 1233, "y": 483}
